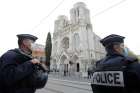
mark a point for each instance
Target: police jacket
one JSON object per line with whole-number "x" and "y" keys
{"x": 15, "y": 68}
{"x": 116, "y": 74}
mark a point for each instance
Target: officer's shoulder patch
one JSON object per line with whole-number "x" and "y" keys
{"x": 108, "y": 78}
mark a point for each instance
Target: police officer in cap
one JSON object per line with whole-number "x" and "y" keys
{"x": 117, "y": 72}
{"x": 17, "y": 65}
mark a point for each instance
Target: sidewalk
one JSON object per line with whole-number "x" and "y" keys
{"x": 75, "y": 77}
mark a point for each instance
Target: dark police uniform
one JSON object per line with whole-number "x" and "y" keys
{"x": 116, "y": 73}
{"x": 15, "y": 69}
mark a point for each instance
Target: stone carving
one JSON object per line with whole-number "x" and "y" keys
{"x": 61, "y": 22}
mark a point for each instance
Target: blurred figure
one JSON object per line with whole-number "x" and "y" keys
{"x": 18, "y": 68}
{"x": 118, "y": 72}
{"x": 129, "y": 52}
{"x": 89, "y": 72}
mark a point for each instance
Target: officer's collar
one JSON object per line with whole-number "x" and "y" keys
{"x": 21, "y": 52}
{"x": 131, "y": 59}
{"x": 114, "y": 54}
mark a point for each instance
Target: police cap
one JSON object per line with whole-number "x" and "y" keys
{"x": 113, "y": 38}
{"x": 27, "y": 36}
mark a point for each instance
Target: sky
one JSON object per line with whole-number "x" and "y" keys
{"x": 37, "y": 17}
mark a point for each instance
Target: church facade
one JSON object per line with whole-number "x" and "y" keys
{"x": 75, "y": 46}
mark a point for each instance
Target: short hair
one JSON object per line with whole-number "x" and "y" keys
{"x": 20, "y": 40}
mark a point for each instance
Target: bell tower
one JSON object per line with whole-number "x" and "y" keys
{"x": 79, "y": 14}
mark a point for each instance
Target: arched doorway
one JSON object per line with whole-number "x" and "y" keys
{"x": 74, "y": 65}
{"x": 77, "y": 67}
{"x": 63, "y": 65}
{"x": 54, "y": 66}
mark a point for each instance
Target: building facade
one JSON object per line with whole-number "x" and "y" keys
{"x": 75, "y": 47}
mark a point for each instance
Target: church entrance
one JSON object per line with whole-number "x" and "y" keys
{"x": 74, "y": 66}
{"x": 64, "y": 66}
{"x": 78, "y": 69}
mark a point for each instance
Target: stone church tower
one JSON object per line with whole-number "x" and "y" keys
{"x": 75, "y": 46}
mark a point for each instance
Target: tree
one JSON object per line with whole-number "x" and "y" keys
{"x": 48, "y": 50}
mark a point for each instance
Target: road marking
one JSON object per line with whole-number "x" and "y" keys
{"x": 71, "y": 86}
{"x": 74, "y": 82}
{"x": 53, "y": 90}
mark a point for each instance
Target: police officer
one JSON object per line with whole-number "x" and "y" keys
{"x": 17, "y": 66}
{"x": 116, "y": 73}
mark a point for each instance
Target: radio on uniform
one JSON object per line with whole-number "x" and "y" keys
{"x": 108, "y": 78}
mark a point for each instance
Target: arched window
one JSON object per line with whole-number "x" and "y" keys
{"x": 76, "y": 41}
{"x": 65, "y": 43}
{"x": 55, "y": 47}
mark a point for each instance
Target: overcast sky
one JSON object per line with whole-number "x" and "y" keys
{"x": 37, "y": 17}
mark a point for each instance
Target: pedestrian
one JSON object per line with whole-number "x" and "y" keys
{"x": 117, "y": 72}
{"x": 17, "y": 66}
{"x": 89, "y": 73}
{"x": 65, "y": 72}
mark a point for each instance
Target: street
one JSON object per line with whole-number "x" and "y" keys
{"x": 65, "y": 86}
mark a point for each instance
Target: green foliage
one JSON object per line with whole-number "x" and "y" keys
{"x": 48, "y": 49}
{"x": 132, "y": 54}
{"x": 138, "y": 57}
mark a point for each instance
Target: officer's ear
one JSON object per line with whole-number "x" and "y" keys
{"x": 116, "y": 47}
{"x": 24, "y": 42}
